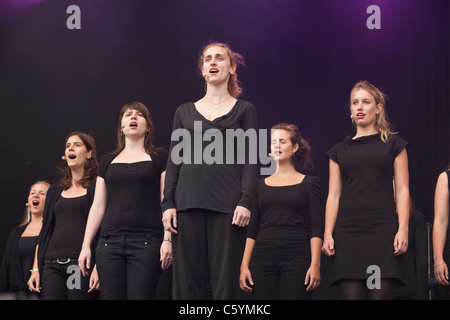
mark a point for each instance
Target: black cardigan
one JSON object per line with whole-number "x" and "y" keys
{"x": 48, "y": 222}
{"x": 11, "y": 270}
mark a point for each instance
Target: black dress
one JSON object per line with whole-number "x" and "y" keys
{"x": 367, "y": 221}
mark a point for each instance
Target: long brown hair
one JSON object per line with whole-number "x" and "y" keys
{"x": 148, "y": 144}
{"x": 382, "y": 123}
{"x": 302, "y": 157}
{"x": 236, "y": 59}
{"x": 90, "y": 167}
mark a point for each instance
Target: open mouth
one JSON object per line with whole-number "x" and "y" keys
{"x": 72, "y": 156}
{"x": 133, "y": 124}
{"x": 360, "y": 115}
{"x": 35, "y": 202}
{"x": 213, "y": 70}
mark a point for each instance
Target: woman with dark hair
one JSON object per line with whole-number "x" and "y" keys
{"x": 131, "y": 250}
{"x": 20, "y": 248}
{"x": 207, "y": 203}
{"x": 65, "y": 214}
{"x": 284, "y": 238}
{"x": 366, "y": 226}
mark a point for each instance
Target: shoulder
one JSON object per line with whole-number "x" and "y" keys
{"x": 245, "y": 105}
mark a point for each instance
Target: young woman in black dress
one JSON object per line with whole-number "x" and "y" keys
{"x": 132, "y": 248}
{"x": 366, "y": 229}
{"x": 441, "y": 238}
{"x": 207, "y": 204}
{"x": 65, "y": 214}
{"x": 20, "y": 248}
{"x": 284, "y": 238}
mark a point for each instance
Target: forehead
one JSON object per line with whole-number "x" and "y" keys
{"x": 39, "y": 186}
{"x": 361, "y": 94}
{"x": 280, "y": 134}
{"x": 74, "y": 138}
{"x": 215, "y": 50}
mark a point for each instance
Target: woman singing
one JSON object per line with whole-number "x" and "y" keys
{"x": 65, "y": 215}
{"x": 366, "y": 228}
{"x": 207, "y": 203}
{"x": 284, "y": 238}
{"x": 131, "y": 250}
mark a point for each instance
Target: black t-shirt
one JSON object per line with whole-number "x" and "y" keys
{"x": 285, "y": 218}
{"x": 215, "y": 186}
{"x": 133, "y": 195}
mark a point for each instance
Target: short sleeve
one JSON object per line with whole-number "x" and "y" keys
{"x": 104, "y": 163}
{"x": 162, "y": 158}
{"x": 397, "y": 145}
{"x": 333, "y": 153}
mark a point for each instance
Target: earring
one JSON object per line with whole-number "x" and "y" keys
{"x": 28, "y": 213}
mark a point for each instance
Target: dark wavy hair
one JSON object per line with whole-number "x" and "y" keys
{"x": 302, "y": 157}
{"x": 90, "y": 168}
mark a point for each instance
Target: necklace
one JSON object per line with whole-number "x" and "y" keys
{"x": 215, "y": 105}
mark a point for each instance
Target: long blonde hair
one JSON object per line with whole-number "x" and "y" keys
{"x": 382, "y": 123}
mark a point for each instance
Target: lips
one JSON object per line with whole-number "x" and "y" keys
{"x": 360, "y": 115}
{"x": 133, "y": 124}
{"x": 71, "y": 156}
{"x": 35, "y": 202}
{"x": 213, "y": 70}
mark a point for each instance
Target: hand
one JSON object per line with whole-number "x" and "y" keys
{"x": 166, "y": 254}
{"x": 84, "y": 260}
{"x": 94, "y": 283}
{"x": 441, "y": 273}
{"x": 328, "y": 246}
{"x": 170, "y": 220}
{"x": 245, "y": 276}
{"x": 400, "y": 243}
{"x": 312, "y": 278}
{"x": 34, "y": 282}
{"x": 241, "y": 216}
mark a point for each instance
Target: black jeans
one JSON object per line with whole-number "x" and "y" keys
{"x": 280, "y": 279}
{"x": 128, "y": 267}
{"x": 65, "y": 282}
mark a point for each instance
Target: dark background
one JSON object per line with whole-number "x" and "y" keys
{"x": 302, "y": 59}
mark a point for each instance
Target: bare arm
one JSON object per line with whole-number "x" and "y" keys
{"x": 332, "y": 206}
{"x": 401, "y": 181}
{"x": 440, "y": 224}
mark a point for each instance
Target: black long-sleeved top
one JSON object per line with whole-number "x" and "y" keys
{"x": 12, "y": 276}
{"x": 219, "y": 186}
{"x": 285, "y": 218}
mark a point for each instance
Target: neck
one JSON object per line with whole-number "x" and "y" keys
{"x": 36, "y": 218}
{"x": 77, "y": 174}
{"x": 217, "y": 92}
{"x": 134, "y": 145}
{"x": 365, "y": 131}
{"x": 285, "y": 168}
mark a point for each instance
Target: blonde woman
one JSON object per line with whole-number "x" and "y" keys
{"x": 366, "y": 229}
{"x": 19, "y": 253}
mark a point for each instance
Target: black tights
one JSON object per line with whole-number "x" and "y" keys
{"x": 357, "y": 290}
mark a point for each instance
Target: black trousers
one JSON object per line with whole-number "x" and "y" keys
{"x": 65, "y": 282}
{"x": 207, "y": 254}
{"x": 280, "y": 279}
{"x": 128, "y": 267}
